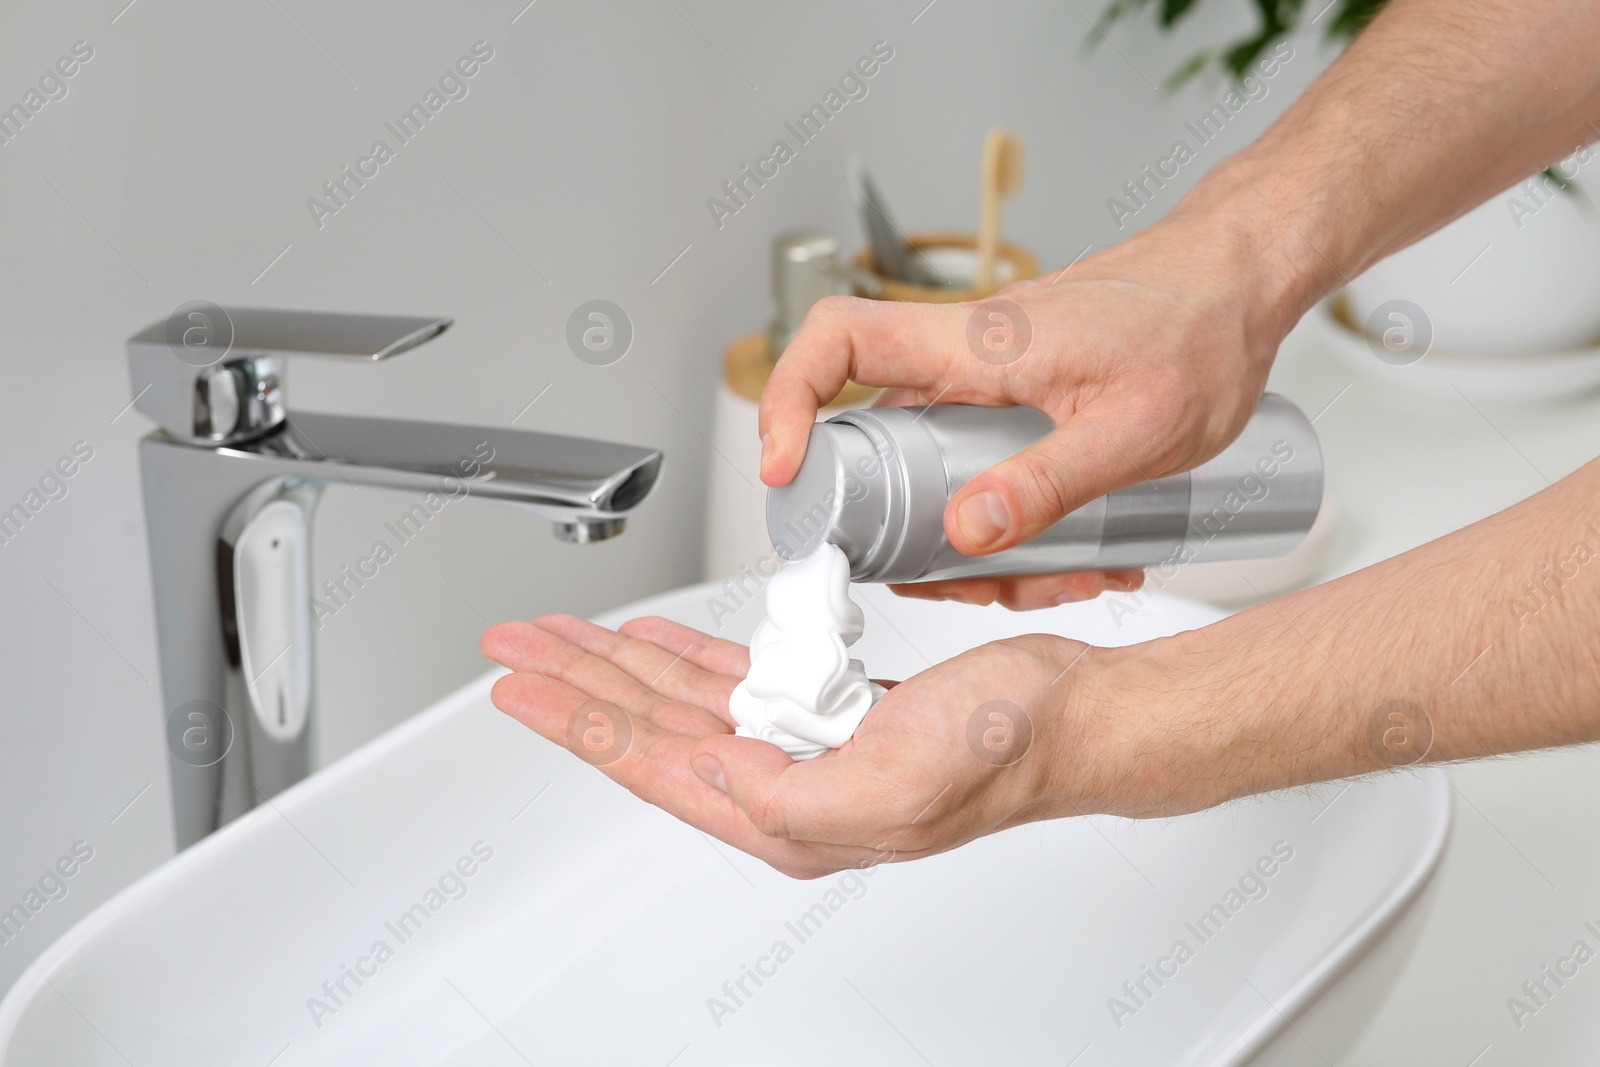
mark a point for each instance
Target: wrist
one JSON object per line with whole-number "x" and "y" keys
{"x": 1177, "y": 729}
{"x": 1274, "y": 254}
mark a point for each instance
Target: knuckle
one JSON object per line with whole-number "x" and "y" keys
{"x": 1046, "y": 491}
{"x": 1038, "y": 648}
{"x": 979, "y": 593}
{"x": 832, "y": 307}
{"x": 1026, "y": 595}
{"x": 567, "y": 663}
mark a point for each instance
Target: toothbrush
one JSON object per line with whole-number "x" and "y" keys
{"x": 1000, "y": 176}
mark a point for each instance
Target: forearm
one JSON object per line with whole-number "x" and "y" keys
{"x": 1435, "y": 108}
{"x": 1493, "y": 632}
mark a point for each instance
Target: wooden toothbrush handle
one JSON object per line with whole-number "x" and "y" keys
{"x": 988, "y": 213}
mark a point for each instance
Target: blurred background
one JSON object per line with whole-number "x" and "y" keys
{"x": 178, "y": 167}
{"x": 578, "y": 166}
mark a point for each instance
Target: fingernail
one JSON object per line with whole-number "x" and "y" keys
{"x": 710, "y": 771}
{"x": 766, "y": 451}
{"x": 1071, "y": 596}
{"x": 983, "y": 518}
{"x": 1123, "y": 585}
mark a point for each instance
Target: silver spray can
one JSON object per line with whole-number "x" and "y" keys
{"x": 876, "y": 483}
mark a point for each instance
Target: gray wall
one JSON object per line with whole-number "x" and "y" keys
{"x": 178, "y": 167}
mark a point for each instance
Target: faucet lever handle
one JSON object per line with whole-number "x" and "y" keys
{"x": 211, "y": 375}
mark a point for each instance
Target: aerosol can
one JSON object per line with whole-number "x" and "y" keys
{"x": 876, "y": 483}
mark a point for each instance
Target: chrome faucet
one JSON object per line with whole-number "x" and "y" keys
{"x": 231, "y": 480}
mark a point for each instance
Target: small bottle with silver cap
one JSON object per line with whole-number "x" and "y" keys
{"x": 805, "y": 268}
{"x": 876, "y": 483}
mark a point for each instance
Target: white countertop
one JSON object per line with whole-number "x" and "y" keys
{"x": 1521, "y": 871}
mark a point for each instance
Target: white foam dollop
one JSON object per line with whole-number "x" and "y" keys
{"x": 804, "y": 693}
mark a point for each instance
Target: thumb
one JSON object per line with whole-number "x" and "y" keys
{"x": 1034, "y": 489}
{"x": 781, "y": 797}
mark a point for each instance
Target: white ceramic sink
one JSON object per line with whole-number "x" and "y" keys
{"x": 593, "y": 929}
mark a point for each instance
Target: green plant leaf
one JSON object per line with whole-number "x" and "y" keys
{"x": 1569, "y": 186}
{"x": 1114, "y": 13}
{"x": 1279, "y": 18}
{"x": 1239, "y": 58}
{"x": 1352, "y": 17}
{"x": 1188, "y": 72}
{"x": 1173, "y": 10}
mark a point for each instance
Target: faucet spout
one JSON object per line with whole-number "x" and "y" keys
{"x": 569, "y": 480}
{"x": 231, "y": 481}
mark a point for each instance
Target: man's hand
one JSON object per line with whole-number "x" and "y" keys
{"x": 1037, "y": 727}
{"x": 1150, "y": 357}
{"x": 974, "y": 745}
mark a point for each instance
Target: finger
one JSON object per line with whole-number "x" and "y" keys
{"x": 972, "y": 391}
{"x": 1026, "y": 592}
{"x": 979, "y": 591}
{"x": 874, "y": 342}
{"x": 663, "y": 671}
{"x": 1021, "y": 496}
{"x": 654, "y": 765}
{"x": 1047, "y": 591}
{"x": 1124, "y": 580}
{"x": 498, "y": 644}
{"x": 557, "y": 658}
{"x": 650, "y": 762}
{"x": 701, "y": 649}
{"x": 898, "y": 398}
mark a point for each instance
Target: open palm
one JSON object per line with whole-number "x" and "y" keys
{"x": 968, "y": 747}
